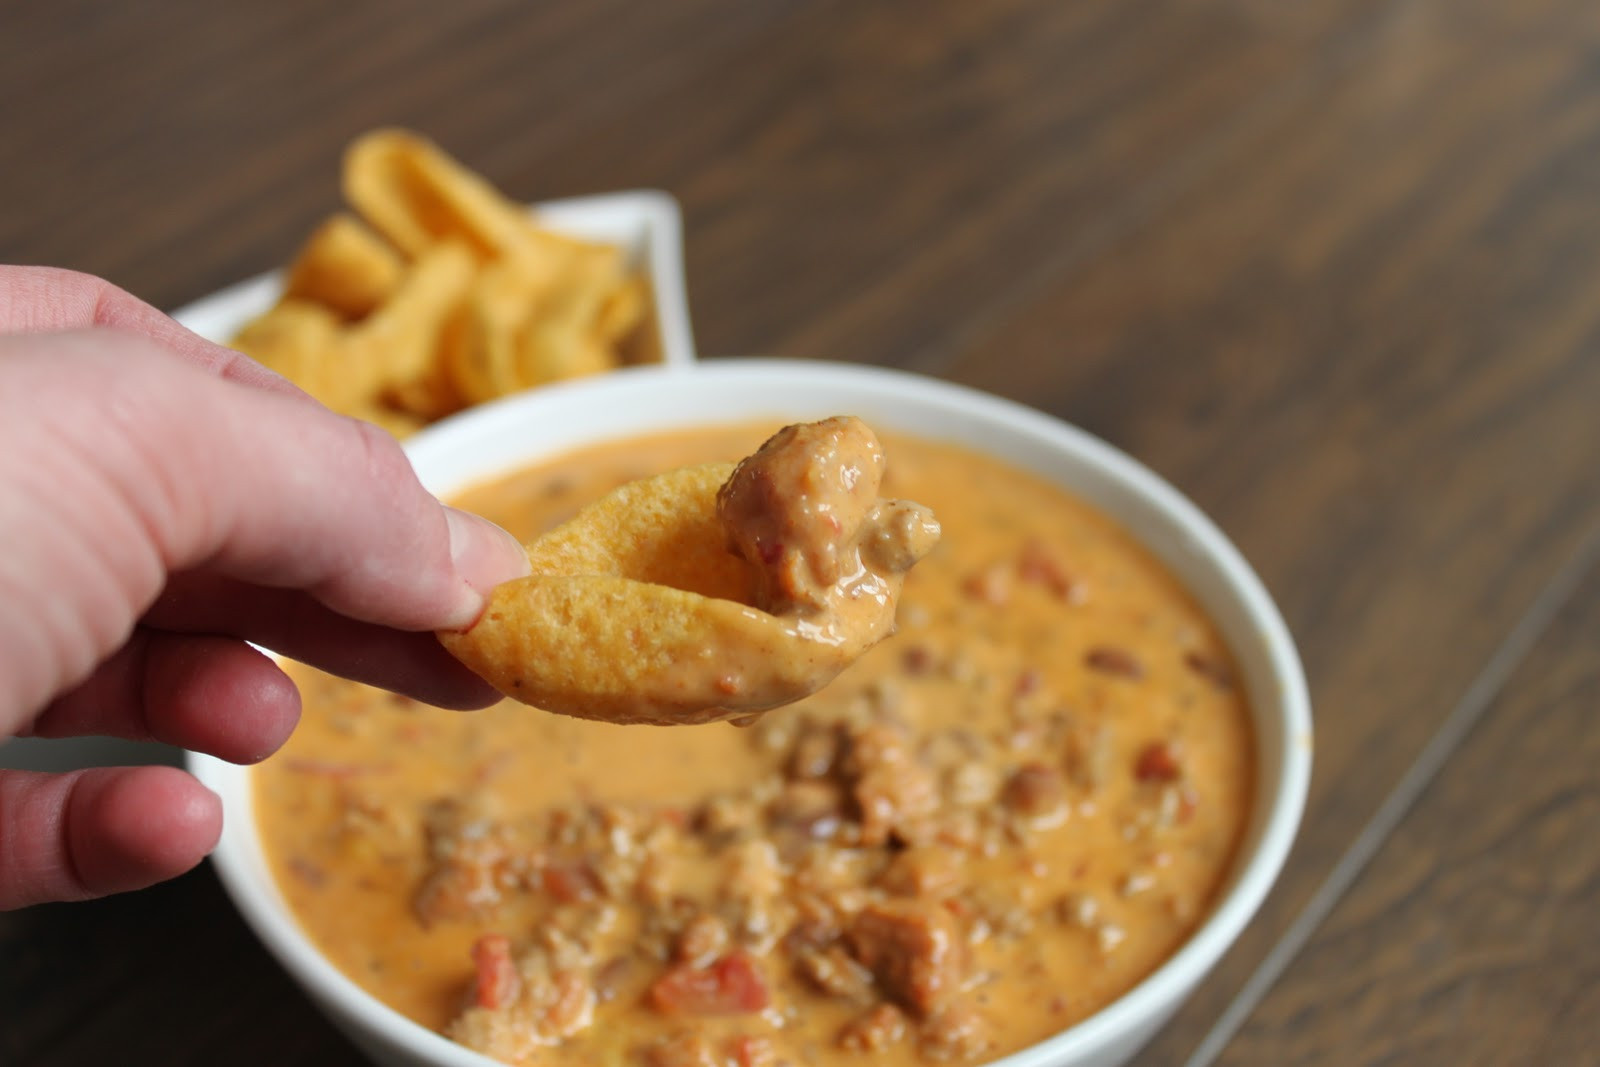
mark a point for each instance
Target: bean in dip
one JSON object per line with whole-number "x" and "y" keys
{"x": 983, "y": 831}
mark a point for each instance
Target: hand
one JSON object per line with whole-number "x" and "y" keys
{"x": 163, "y": 501}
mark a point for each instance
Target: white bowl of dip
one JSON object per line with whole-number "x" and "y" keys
{"x": 502, "y": 437}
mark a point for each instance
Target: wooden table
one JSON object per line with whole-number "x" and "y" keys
{"x": 1332, "y": 267}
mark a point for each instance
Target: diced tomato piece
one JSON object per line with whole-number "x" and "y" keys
{"x": 748, "y": 1051}
{"x": 1038, "y": 565}
{"x": 1157, "y": 763}
{"x": 731, "y": 985}
{"x": 497, "y": 974}
{"x": 571, "y": 882}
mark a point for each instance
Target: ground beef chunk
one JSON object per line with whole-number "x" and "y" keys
{"x": 914, "y": 949}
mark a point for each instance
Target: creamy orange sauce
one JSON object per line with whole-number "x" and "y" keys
{"x": 992, "y": 825}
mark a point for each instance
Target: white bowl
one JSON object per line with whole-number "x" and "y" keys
{"x": 503, "y": 436}
{"x": 644, "y": 223}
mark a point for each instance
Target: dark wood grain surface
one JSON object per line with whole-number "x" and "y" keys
{"x": 1332, "y": 267}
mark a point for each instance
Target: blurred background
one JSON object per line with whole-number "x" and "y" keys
{"x": 1331, "y": 267}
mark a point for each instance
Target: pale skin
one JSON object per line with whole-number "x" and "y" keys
{"x": 164, "y": 501}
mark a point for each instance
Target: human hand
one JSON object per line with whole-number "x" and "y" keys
{"x": 163, "y": 501}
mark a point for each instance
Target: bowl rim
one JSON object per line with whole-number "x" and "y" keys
{"x": 1274, "y": 820}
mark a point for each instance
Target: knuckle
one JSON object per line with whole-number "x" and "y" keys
{"x": 379, "y": 455}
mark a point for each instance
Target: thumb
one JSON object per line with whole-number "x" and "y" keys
{"x": 90, "y": 833}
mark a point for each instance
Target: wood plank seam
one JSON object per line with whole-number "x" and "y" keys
{"x": 1478, "y": 698}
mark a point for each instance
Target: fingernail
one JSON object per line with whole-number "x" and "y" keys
{"x": 484, "y": 556}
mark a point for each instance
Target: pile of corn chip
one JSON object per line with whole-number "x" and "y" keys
{"x": 439, "y": 293}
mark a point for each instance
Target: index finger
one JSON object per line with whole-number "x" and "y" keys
{"x": 48, "y": 299}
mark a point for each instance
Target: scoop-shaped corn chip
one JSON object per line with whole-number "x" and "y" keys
{"x": 555, "y": 351}
{"x": 345, "y": 266}
{"x": 295, "y": 338}
{"x": 480, "y": 345}
{"x": 396, "y": 343}
{"x": 529, "y": 321}
{"x": 622, "y": 310}
{"x": 416, "y": 195}
{"x": 663, "y": 529}
{"x": 622, "y": 651}
{"x": 637, "y": 610}
{"x": 432, "y": 396}
{"x": 563, "y": 337}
